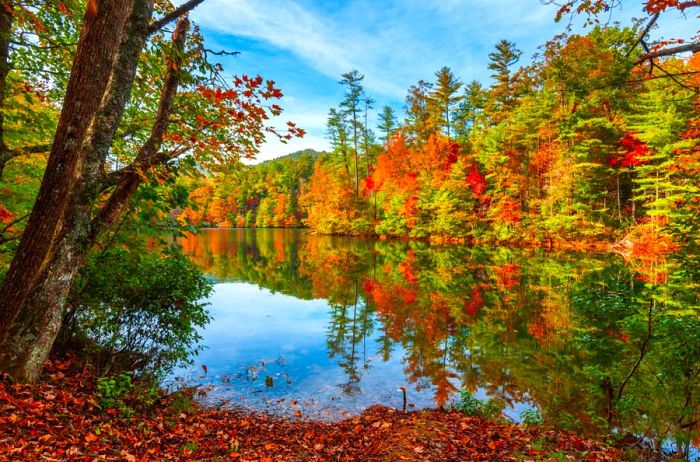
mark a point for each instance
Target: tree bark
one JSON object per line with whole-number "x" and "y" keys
{"x": 32, "y": 298}
{"x": 5, "y": 32}
{"x": 149, "y": 154}
{"x": 61, "y": 227}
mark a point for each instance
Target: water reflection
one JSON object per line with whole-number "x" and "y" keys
{"x": 341, "y": 322}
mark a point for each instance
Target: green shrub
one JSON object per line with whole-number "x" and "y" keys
{"x": 468, "y": 404}
{"x": 531, "y": 417}
{"x": 139, "y": 310}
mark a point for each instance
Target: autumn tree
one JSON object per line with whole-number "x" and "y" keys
{"x": 36, "y": 40}
{"x": 79, "y": 197}
{"x": 652, "y": 8}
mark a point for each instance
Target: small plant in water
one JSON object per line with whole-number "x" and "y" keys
{"x": 531, "y": 417}
{"x": 470, "y": 405}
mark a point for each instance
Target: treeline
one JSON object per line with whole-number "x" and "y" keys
{"x": 265, "y": 195}
{"x": 579, "y": 145}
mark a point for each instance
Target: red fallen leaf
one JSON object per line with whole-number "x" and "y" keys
{"x": 377, "y": 434}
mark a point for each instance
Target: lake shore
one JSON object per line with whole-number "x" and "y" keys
{"x": 60, "y": 418}
{"x": 550, "y": 243}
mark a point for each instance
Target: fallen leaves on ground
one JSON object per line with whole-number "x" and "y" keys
{"x": 58, "y": 419}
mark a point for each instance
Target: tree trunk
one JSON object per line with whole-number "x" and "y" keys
{"x": 354, "y": 129}
{"x": 5, "y": 32}
{"x": 54, "y": 244}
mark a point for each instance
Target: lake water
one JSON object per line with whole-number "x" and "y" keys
{"x": 324, "y": 327}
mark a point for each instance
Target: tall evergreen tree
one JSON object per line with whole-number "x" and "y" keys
{"x": 418, "y": 119}
{"x": 503, "y": 93}
{"x": 351, "y": 104}
{"x": 387, "y": 122}
{"x": 365, "y": 133}
{"x": 444, "y": 97}
{"x": 337, "y": 131}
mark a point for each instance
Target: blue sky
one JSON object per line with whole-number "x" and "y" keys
{"x": 304, "y": 45}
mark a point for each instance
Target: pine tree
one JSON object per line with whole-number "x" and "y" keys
{"x": 503, "y": 96}
{"x": 387, "y": 123}
{"x": 419, "y": 123}
{"x": 351, "y": 104}
{"x": 444, "y": 98}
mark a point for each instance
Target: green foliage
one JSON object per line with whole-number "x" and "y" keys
{"x": 112, "y": 391}
{"x": 468, "y": 404}
{"x": 531, "y": 417}
{"x": 140, "y": 309}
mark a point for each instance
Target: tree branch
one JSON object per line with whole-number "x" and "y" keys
{"x": 692, "y": 47}
{"x": 148, "y": 155}
{"x": 11, "y": 224}
{"x": 173, "y": 15}
{"x": 115, "y": 177}
{"x": 640, "y": 37}
{"x": 642, "y": 350}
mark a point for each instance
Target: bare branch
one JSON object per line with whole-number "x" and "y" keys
{"x": 173, "y": 15}
{"x": 640, "y": 37}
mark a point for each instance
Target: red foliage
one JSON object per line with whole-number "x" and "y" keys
{"x": 475, "y": 303}
{"x": 369, "y": 185}
{"x": 476, "y": 181}
{"x": 6, "y": 216}
{"x": 633, "y": 152}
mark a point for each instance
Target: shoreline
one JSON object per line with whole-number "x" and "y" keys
{"x": 552, "y": 245}
{"x": 60, "y": 418}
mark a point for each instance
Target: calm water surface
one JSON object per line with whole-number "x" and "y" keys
{"x": 327, "y": 326}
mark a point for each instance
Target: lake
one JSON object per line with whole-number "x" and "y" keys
{"x": 323, "y": 327}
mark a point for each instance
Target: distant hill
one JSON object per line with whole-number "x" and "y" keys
{"x": 296, "y": 156}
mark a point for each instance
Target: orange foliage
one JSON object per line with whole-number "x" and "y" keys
{"x": 646, "y": 248}
{"x": 508, "y": 276}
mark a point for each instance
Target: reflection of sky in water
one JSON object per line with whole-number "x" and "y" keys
{"x": 255, "y": 334}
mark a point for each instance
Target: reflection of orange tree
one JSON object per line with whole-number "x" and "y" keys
{"x": 423, "y": 313}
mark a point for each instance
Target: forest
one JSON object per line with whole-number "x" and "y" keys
{"x": 580, "y": 147}
{"x": 529, "y": 242}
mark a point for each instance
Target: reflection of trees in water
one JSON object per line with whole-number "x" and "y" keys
{"x": 563, "y": 332}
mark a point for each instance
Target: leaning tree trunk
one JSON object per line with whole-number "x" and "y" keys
{"x": 5, "y": 33}
{"x": 34, "y": 294}
{"x": 54, "y": 244}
